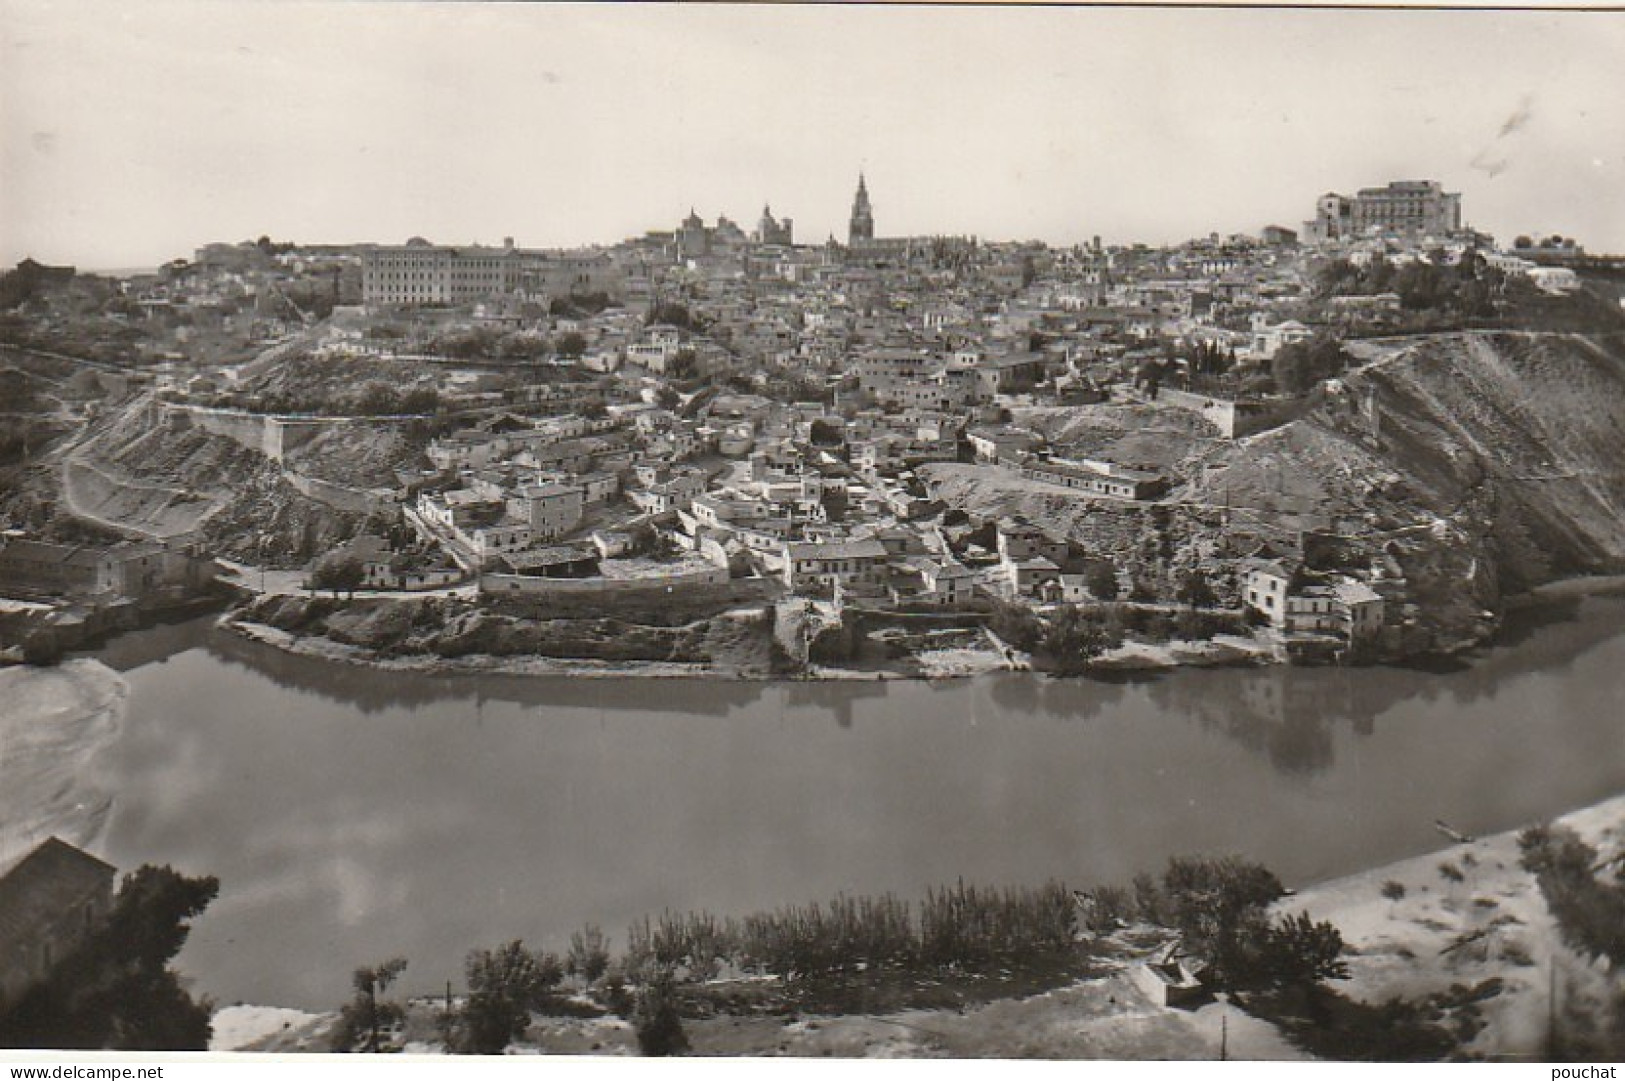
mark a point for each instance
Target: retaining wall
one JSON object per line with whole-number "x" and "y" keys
{"x": 340, "y": 496}
{"x": 1233, "y": 418}
{"x": 524, "y": 585}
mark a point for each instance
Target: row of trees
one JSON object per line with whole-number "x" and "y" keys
{"x": 1071, "y": 635}
{"x": 1297, "y": 367}
{"x": 1468, "y": 288}
{"x": 505, "y": 987}
{"x": 374, "y": 398}
{"x": 1220, "y": 908}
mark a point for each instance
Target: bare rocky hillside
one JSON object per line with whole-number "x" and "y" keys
{"x": 1484, "y": 462}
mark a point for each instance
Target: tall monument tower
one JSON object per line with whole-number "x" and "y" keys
{"x": 862, "y": 225}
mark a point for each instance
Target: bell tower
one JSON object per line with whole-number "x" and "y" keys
{"x": 862, "y": 225}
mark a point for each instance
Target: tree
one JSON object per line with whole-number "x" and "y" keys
{"x": 658, "y": 1024}
{"x": 364, "y": 1016}
{"x": 116, "y": 990}
{"x": 1220, "y": 906}
{"x": 1102, "y": 582}
{"x": 419, "y": 400}
{"x": 1297, "y": 950}
{"x": 1394, "y": 891}
{"x": 1590, "y": 914}
{"x": 827, "y": 434}
{"x": 685, "y": 364}
{"x": 571, "y": 344}
{"x": 672, "y": 313}
{"x": 336, "y": 571}
{"x": 1074, "y": 636}
{"x": 1523, "y": 241}
{"x": 589, "y": 953}
{"x": 1016, "y": 624}
{"x": 504, "y": 986}
{"x": 377, "y": 398}
{"x": 1195, "y": 591}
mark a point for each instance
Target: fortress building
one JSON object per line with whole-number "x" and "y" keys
{"x": 1405, "y": 207}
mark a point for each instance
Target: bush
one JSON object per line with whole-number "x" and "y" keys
{"x": 1102, "y": 582}
{"x": 589, "y": 954}
{"x": 504, "y": 986}
{"x": 1017, "y": 625}
{"x": 364, "y": 1017}
{"x": 1074, "y": 636}
{"x": 1590, "y": 914}
{"x": 1298, "y": 950}
{"x": 656, "y": 1019}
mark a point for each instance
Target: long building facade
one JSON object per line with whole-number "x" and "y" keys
{"x": 1412, "y": 207}
{"x": 421, "y": 273}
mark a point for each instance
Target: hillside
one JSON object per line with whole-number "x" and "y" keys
{"x": 1529, "y": 428}
{"x": 1483, "y": 462}
{"x": 138, "y": 474}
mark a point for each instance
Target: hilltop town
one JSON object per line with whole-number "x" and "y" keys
{"x": 713, "y": 450}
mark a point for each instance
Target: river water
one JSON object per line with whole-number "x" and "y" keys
{"x": 353, "y": 815}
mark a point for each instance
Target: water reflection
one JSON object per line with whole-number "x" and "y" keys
{"x": 353, "y": 815}
{"x": 1287, "y": 715}
{"x": 371, "y": 690}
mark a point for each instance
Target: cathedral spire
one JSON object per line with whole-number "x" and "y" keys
{"x": 862, "y": 225}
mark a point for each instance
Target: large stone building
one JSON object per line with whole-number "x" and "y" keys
{"x": 864, "y": 247}
{"x": 780, "y": 232}
{"x": 421, "y": 273}
{"x": 696, "y": 240}
{"x": 134, "y": 570}
{"x": 50, "y": 902}
{"x": 1407, "y": 207}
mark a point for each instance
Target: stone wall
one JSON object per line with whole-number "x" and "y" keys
{"x": 506, "y": 585}
{"x": 1234, "y": 419}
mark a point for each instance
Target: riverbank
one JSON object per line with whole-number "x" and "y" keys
{"x": 942, "y": 664}
{"x": 54, "y": 722}
{"x": 1483, "y": 945}
{"x": 935, "y": 664}
{"x": 44, "y": 632}
{"x": 322, "y": 648}
{"x": 1467, "y": 915}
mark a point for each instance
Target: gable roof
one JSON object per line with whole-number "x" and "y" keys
{"x": 45, "y": 883}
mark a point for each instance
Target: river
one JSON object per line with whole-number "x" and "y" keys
{"x": 353, "y": 815}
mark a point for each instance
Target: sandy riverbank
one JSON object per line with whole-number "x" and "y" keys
{"x": 53, "y": 721}
{"x": 1491, "y": 925}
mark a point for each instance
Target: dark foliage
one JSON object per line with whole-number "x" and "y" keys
{"x": 504, "y": 986}
{"x": 1298, "y": 366}
{"x": 589, "y": 954}
{"x": 656, "y": 1019}
{"x": 1590, "y": 913}
{"x": 364, "y": 1019}
{"x": 1017, "y": 625}
{"x": 116, "y": 990}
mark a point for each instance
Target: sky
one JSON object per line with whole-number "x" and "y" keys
{"x": 134, "y": 133}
